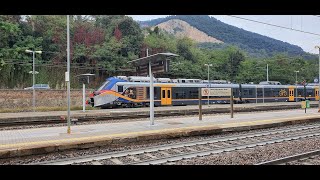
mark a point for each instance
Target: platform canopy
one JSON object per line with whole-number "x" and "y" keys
{"x": 84, "y": 78}
{"x": 155, "y": 58}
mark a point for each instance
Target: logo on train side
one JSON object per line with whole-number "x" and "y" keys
{"x": 205, "y": 92}
{"x": 282, "y": 93}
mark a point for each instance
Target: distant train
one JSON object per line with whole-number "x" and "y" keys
{"x": 133, "y": 91}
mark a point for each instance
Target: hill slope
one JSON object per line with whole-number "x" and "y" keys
{"x": 181, "y": 28}
{"x": 252, "y": 42}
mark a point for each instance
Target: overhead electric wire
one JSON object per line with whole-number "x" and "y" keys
{"x": 283, "y": 27}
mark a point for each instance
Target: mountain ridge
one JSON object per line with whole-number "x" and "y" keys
{"x": 250, "y": 41}
{"x": 181, "y": 28}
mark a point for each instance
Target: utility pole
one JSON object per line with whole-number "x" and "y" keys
{"x": 33, "y": 77}
{"x": 68, "y": 73}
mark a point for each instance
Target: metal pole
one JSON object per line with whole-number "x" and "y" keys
{"x": 208, "y": 86}
{"x": 256, "y": 95}
{"x": 267, "y": 73}
{"x": 151, "y": 93}
{"x": 200, "y": 104}
{"x": 305, "y": 98}
{"x": 263, "y": 95}
{"x": 296, "y": 86}
{"x": 231, "y": 104}
{"x": 68, "y": 74}
{"x": 319, "y": 82}
{"x": 33, "y": 80}
{"x": 84, "y": 97}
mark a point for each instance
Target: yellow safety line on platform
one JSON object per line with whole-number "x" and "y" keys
{"x": 109, "y": 136}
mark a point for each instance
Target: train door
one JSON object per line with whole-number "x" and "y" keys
{"x": 166, "y": 96}
{"x": 291, "y": 94}
{"x": 317, "y": 93}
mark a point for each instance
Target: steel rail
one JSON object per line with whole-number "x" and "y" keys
{"x": 290, "y": 158}
{"x": 102, "y": 156}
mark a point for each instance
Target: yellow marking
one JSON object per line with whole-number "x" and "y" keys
{"x": 110, "y": 136}
{"x": 164, "y": 85}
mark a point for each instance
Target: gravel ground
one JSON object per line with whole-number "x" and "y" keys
{"x": 118, "y": 120}
{"x": 257, "y": 154}
{"x": 99, "y": 150}
{"x": 312, "y": 161}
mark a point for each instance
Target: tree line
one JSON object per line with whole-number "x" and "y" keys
{"x": 103, "y": 44}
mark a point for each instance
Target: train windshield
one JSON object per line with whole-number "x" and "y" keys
{"x": 103, "y": 85}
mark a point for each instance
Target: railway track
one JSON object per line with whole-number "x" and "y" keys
{"x": 308, "y": 158}
{"x": 173, "y": 152}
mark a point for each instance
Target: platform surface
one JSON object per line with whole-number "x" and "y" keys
{"x": 48, "y": 136}
{"x": 102, "y": 112}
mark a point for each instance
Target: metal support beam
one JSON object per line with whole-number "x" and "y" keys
{"x": 84, "y": 97}
{"x": 34, "y": 81}
{"x": 231, "y": 104}
{"x": 151, "y": 94}
{"x": 68, "y": 74}
{"x": 200, "y": 105}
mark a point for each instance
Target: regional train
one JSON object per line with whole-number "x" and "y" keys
{"x": 133, "y": 91}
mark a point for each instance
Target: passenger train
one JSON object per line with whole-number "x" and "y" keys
{"x": 133, "y": 91}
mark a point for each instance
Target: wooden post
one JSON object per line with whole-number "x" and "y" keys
{"x": 200, "y": 105}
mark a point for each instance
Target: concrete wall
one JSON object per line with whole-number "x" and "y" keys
{"x": 48, "y": 98}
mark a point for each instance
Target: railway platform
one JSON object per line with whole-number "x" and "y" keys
{"x": 105, "y": 114}
{"x": 51, "y": 139}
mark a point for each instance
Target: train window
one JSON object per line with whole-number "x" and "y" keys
{"x": 183, "y": 81}
{"x": 103, "y": 85}
{"x": 250, "y": 92}
{"x": 130, "y": 92}
{"x": 234, "y": 93}
{"x": 163, "y": 94}
{"x": 180, "y": 95}
{"x": 193, "y": 94}
{"x": 169, "y": 93}
{"x": 120, "y": 88}
{"x": 309, "y": 92}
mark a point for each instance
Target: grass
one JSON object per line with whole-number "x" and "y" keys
{"x": 43, "y": 109}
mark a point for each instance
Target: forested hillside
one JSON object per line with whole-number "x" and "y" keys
{"x": 103, "y": 44}
{"x": 256, "y": 44}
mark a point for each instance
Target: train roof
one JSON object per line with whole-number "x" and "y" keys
{"x": 211, "y": 85}
{"x": 181, "y": 82}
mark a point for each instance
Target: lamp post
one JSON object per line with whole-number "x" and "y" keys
{"x": 296, "y": 85}
{"x": 33, "y": 77}
{"x": 319, "y": 78}
{"x": 208, "y": 65}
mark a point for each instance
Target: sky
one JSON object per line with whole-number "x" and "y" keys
{"x": 306, "y": 23}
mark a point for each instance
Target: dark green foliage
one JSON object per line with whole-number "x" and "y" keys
{"x": 103, "y": 45}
